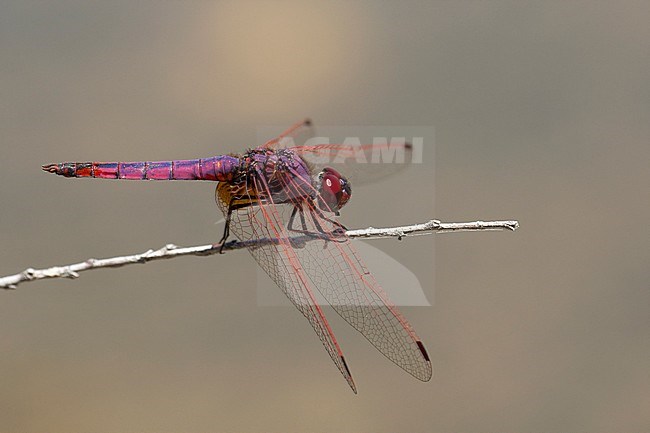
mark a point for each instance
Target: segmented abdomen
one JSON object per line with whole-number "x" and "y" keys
{"x": 217, "y": 168}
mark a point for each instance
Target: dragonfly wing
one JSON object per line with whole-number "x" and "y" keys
{"x": 341, "y": 277}
{"x": 279, "y": 260}
{"x": 296, "y": 135}
{"x": 362, "y": 164}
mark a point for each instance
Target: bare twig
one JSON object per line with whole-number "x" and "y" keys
{"x": 170, "y": 250}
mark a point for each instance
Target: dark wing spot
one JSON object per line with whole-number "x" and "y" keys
{"x": 423, "y": 350}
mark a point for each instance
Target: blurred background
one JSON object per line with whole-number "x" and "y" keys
{"x": 541, "y": 113}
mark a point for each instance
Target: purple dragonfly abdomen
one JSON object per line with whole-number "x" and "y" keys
{"x": 217, "y": 168}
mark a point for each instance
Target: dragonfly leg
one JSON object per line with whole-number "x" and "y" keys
{"x": 297, "y": 209}
{"x": 320, "y": 232}
{"x": 293, "y": 217}
{"x": 226, "y": 229}
{"x": 320, "y": 214}
{"x": 338, "y": 231}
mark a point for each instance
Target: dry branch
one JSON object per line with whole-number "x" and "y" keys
{"x": 170, "y": 250}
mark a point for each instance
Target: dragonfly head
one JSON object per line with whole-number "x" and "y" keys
{"x": 334, "y": 190}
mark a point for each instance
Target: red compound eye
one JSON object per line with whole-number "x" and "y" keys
{"x": 334, "y": 189}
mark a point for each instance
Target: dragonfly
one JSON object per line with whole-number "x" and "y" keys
{"x": 284, "y": 204}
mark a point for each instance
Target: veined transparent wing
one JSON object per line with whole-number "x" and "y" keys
{"x": 339, "y": 274}
{"x": 359, "y": 163}
{"x": 266, "y": 221}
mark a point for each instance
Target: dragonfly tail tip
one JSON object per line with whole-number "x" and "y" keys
{"x": 50, "y": 168}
